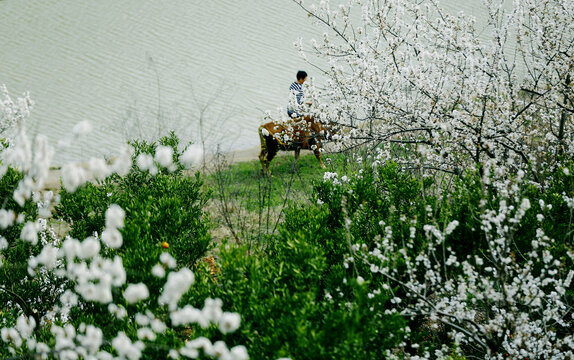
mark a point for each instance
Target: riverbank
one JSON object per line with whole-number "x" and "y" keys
{"x": 54, "y": 178}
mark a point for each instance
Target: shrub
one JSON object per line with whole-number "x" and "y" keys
{"x": 473, "y": 271}
{"x": 112, "y": 290}
{"x": 287, "y": 310}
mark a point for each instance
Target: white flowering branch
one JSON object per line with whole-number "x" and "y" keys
{"x": 499, "y": 303}
{"x": 448, "y": 91}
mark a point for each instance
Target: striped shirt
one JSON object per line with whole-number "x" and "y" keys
{"x": 295, "y": 90}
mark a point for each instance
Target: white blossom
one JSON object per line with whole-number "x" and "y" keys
{"x": 112, "y": 238}
{"x": 145, "y": 162}
{"x": 73, "y": 176}
{"x": 30, "y": 232}
{"x": 164, "y": 156}
{"x": 136, "y": 292}
{"x": 89, "y": 248}
{"x": 229, "y": 322}
{"x": 177, "y": 284}
{"x": 158, "y": 271}
{"x": 192, "y": 156}
{"x": 125, "y": 348}
{"x": 168, "y": 260}
{"x": 115, "y": 217}
{"x": 98, "y": 168}
{"x": 7, "y": 218}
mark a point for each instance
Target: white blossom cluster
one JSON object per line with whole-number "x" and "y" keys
{"x": 94, "y": 276}
{"x": 502, "y": 303}
{"x": 164, "y": 158}
{"x": 13, "y": 113}
{"x": 451, "y": 92}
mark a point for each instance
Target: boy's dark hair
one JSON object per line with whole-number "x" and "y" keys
{"x": 301, "y": 74}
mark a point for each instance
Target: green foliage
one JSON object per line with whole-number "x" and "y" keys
{"x": 166, "y": 207}
{"x": 162, "y": 208}
{"x": 243, "y": 181}
{"x": 171, "y": 140}
{"x": 286, "y": 312}
{"x": 18, "y": 290}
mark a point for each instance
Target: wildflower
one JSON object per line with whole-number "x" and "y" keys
{"x": 360, "y": 280}
{"x": 70, "y": 249}
{"x": 115, "y": 217}
{"x": 177, "y": 284}
{"x": 158, "y": 326}
{"x": 48, "y": 256}
{"x": 125, "y": 348}
{"x": 73, "y": 176}
{"x": 7, "y": 218}
{"x": 239, "y": 352}
{"x": 89, "y": 248}
{"x": 11, "y": 335}
{"x": 192, "y": 155}
{"x": 112, "y": 238}
{"x": 220, "y": 350}
{"x": 187, "y": 315}
{"x": 98, "y": 168}
{"x": 25, "y": 326}
{"x": 144, "y": 162}
{"x": 212, "y": 309}
{"x": 229, "y": 322}
{"x": 116, "y": 269}
{"x": 92, "y": 339}
{"x": 118, "y": 311}
{"x": 146, "y": 334}
{"x": 30, "y": 232}
{"x": 158, "y": 271}
{"x": 100, "y": 292}
{"x": 164, "y": 156}
{"x": 136, "y": 292}
{"x": 451, "y": 226}
{"x": 69, "y": 298}
{"x": 166, "y": 259}
{"x": 3, "y": 243}
{"x": 123, "y": 163}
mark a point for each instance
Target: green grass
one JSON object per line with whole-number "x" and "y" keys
{"x": 243, "y": 181}
{"x": 247, "y": 206}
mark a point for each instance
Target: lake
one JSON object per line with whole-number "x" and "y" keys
{"x": 138, "y": 68}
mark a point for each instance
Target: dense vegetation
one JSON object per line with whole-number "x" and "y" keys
{"x": 445, "y": 230}
{"x": 309, "y": 287}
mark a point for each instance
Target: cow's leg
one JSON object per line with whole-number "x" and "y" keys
{"x": 272, "y": 148}
{"x": 263, "y": 155}
{"x": 317, "y": 152}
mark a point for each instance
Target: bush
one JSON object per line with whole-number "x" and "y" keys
{"x": 112, "y": 288}
{"x": 19, "y": 290}
{"x": 287, "y": 310}
{"x": 430, "y": 253}
{"x": 162, "y": 208}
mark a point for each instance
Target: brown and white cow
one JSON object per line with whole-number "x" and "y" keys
{"x": 293, "y": 134}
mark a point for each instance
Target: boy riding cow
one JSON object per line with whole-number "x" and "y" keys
{"x": 299, "y": 132}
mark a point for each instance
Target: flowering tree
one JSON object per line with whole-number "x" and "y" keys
{"x": 73, "y": 298}
{"x": 484, "y": 271}
{"x": 444, "y": 92}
